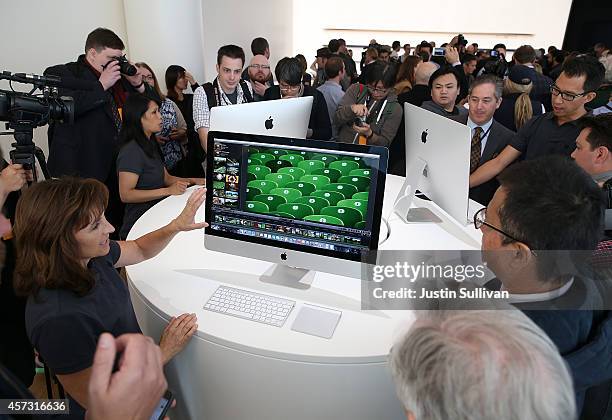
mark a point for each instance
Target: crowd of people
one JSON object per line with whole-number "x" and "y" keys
{"x": 540, "y": 163}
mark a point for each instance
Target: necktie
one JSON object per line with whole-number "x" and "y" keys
{"x": 475, "y": 152}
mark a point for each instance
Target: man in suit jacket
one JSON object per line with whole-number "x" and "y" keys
{"x": 488, "y": 136}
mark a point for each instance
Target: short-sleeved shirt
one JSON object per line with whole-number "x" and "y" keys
{"x": 64, "y": 327}
{"x": 150, "y": 171}
{"x": 542, "y": 136}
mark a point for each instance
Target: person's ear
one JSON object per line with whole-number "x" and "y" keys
{"x": 217, "y": 67}
{"x": 522, "y": 256}
{"x": 602, "y": 154}
{"x": 589, "y": 97}
{"x": 499, "y": 101}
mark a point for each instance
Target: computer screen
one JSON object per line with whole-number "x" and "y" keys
{"x": 280, "y": 117}
{"x": 294, "y": 198}
{"x": 442, "y": 147}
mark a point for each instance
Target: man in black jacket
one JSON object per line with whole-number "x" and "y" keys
{"x": 88, "y": 148}
{"x": 525, "y": 55}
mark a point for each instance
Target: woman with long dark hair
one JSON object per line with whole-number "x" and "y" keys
{"x": 143, "y": 179}
{"x": 404, "y": 80}
{"x": 177, "y": 80}
{"x": 173, "y": 135}
{"x": 67, "y": 267}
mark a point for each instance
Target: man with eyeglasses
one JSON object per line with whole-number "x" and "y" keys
{"x": 535, "y": 231}
{"x": 369, "y": 113}
{"x": 260, "y": 76}
{"x": 289, "y": 73}
{"x": 555, "y": 132}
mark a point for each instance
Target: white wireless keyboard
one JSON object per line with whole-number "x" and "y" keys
{"x": 250, "y": 305}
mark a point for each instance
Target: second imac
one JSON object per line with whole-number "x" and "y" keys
{"x": 437, "y": 163}
{"x": 305, "y": 204}
{"x": 281, "y": 117}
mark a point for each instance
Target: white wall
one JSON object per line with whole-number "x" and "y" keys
{"x": 163, "y": 32}
{"x": 38, "y": 34}
{"x": 238, "y": 22}
{"x": 538, "y": 23}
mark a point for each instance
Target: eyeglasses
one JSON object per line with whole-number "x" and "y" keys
{"x": 259, "y": 67}
{"x": 566, "y": 96}
{"x": 479, "y": 221}
{"x": 377, "y": 90}
{"x": 147, "y": 78}
{"x": 289, "y": 88}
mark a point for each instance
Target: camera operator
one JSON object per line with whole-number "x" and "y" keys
{"x": 88, "y": 148}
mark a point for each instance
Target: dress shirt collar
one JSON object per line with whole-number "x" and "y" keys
{"x": 539, "y": 297}
{"x": 485, "y": 127}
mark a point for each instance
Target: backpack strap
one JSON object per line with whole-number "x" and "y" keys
{"x": 210, "y": 94}
{"x": 245, "y": 91}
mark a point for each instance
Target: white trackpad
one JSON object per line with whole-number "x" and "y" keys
{"x": 316, "y": 320}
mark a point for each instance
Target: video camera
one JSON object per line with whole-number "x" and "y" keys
{"x": 26, "y": 111}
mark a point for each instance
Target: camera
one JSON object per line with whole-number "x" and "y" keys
{"x": 124, "y": 65}
{"x": 26, "y": 111}
{"x": 359, "y": 121}
{"x": 461, "y": 40}
{"x": 438, "y": 51}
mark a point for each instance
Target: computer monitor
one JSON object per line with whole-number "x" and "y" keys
{"x": 281, "y": 117}
{"x": 437, "y": 162}
{"x": 308, "y": 204}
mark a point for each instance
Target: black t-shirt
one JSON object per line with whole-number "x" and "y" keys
{"x": 542, "y": 136}
{"x": 64, "y": 327}
{"x": 150, "y": 173}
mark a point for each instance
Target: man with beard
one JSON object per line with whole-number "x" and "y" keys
{"x": 260, "y": 76}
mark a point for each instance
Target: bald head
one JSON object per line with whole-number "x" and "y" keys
{"x": 423, "y": 72}
{"x": 259, "y": 69}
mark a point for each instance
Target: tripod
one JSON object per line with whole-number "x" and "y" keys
{"x": 25, "y": 152}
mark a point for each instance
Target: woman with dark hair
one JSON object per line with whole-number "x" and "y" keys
{"x": 143, "y": 179}
{"x": 67, "y": 267}
{"x": 369, "y": 113}
{"x": 405, "y": 75}
{"x": 289, "y": 74}
{"x": 177, "y": 80}
{"x": 173, "y": 135}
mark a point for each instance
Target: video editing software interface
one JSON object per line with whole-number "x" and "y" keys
{"x": 316, "y": 198}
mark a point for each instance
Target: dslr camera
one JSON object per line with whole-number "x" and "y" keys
{"x": 124, "y": 65}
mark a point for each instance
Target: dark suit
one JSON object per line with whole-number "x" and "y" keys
{"x": 498, "y": 138}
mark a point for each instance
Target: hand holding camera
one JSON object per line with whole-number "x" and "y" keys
{"x": 360, "y": 110}
{"x": 110, "y": 74}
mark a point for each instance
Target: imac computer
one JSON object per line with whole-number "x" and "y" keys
{"x": 280, "y": 118}
{"x": 437, "y": 163}
{"x": 302, "y": 204}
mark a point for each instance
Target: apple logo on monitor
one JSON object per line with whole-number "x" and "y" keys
{"x": 424, "y": 136}
{"x": 269, "y": 123}
{"x": 284, "y": 256}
